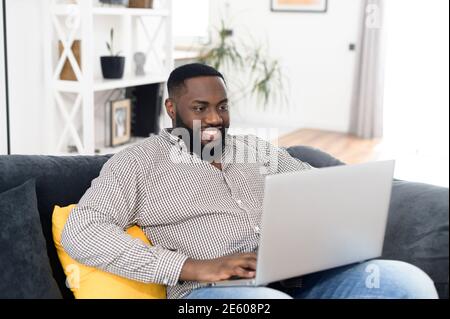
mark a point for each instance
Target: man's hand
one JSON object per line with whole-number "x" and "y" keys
{"x": 240, "y": 265}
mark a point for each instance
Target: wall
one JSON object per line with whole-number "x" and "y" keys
{"x": 26, "y": 77}
{"x": 314, "y": 51}
{"x": 3, "y": 126}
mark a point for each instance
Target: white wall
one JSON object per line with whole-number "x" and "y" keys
{"x": 26, "y": 76}
{"x": 313, "y": 50}
{"x": 3, "y": 127}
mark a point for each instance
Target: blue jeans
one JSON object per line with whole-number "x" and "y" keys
{"x": 376, "y": 279}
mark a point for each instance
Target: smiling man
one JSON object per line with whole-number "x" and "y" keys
{"x": 197, "y": 193}
{"x": 199, "y": 105}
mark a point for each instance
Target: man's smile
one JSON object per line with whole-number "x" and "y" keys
{"x": 211, "y": 134}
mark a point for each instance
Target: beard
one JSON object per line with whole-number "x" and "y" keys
{"x": 210, "y": 151}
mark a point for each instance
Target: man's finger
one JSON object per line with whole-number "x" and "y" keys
{"x": 249, "y": 255}
{"x": 241, "y": 272}
{"x": 250, "y": 264}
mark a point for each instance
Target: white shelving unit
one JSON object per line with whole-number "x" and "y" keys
{"x": 78, "y": 17}
{"x": 131, "y": 12}
{"x": 116, "y": 149}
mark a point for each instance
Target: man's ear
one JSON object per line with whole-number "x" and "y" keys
{"x": 170, "y": 108}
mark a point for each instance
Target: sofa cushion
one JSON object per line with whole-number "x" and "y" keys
{"x": 92, "y": 283}
{"x": 25, "y": 268}
{"x": 417, "y": 230}
{"x": 60, "y": 180}
{"x": 313, "y": 156}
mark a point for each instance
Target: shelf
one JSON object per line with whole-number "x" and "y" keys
{"x": 132, "y": 80}
{"x": 117, "y": 149}
{"x": 101, "y": 84}
{"x": 130, "y": 12}
{"x": 69, "y": 9}
{"x": 85, "y": 20}
{"x": 106, "y": 150}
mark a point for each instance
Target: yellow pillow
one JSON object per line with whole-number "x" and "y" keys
{"x": 92, "y": 283}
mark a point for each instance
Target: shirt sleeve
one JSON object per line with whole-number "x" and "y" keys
{"x": 287, "y": 163}
{"x": 95, "y": 235}
{"x": 277, "y": 159}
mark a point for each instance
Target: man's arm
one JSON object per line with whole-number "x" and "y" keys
{"x": 287, "y": 163}
{"x": 95, "y": 231}
{"x": 280, "y": 160}
{"x": 241, "y": 265}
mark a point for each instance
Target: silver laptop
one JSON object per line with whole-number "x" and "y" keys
{"x": 320, "y": 219}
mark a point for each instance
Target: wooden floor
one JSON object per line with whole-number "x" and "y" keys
{"x": 347, "y": 148}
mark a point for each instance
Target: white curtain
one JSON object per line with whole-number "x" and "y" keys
{"x": 367, "y": 102}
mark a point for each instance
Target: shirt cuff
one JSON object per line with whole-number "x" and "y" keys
{"x": 168, "y": 268}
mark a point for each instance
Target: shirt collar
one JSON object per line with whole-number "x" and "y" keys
{"x": 165, "y": 133}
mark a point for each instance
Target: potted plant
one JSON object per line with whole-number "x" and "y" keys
{"x": 112, "y": 65}
{"x": 256, "y": 74}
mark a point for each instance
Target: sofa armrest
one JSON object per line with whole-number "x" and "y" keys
{"x": 313, "y": 156}
{"x": 417, "y": 230}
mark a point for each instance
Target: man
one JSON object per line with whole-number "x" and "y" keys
{"x": 197, "y": 193}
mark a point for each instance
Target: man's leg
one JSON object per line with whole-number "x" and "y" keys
{"x": 237, "y": 293}
{"x": 377, "y": 279}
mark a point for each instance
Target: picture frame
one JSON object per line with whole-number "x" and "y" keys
{"x": 120, "y": 122}
{"x": 308, "y": 6}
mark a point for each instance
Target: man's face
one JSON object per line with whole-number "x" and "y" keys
{"x": 204, "y": 99}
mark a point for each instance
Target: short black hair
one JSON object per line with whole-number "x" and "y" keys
{"x": 188, "y": 71}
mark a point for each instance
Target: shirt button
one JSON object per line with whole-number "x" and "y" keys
{"x": 257, "y": 229}
{"x": 165, "y": 281}
{"x": 239, "y": 202}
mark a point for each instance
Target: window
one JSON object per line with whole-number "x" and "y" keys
{"x": 416, "y": 94}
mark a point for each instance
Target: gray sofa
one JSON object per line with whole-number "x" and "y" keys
{"x": 417, "y": 230}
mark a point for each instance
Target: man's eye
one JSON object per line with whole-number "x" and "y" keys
{"x": 198, "y": 108}
{"x": 224, "y": 107}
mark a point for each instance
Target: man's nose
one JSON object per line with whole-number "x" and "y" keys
{"x": 213, "y": 118}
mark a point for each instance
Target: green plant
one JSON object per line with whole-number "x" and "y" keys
{"x": 268, "y": 81}
{"x": 256, "y": 74}
{"x": 110, "y": 45}
{"x": 225, "y": 52}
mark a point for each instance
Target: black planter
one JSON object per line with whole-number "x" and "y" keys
{"x": 112, "y": 66}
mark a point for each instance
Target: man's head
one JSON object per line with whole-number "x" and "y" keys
{"x": 197, "y": 92}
